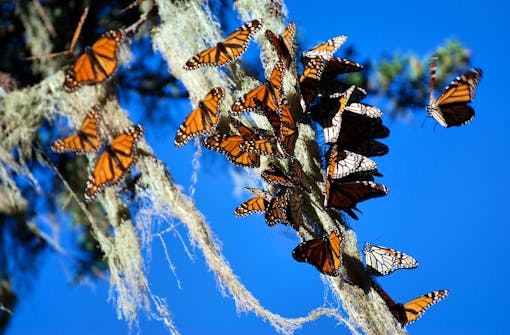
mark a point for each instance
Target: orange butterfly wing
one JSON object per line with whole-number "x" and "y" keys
{"x": 288, "y": 129}
{"x": 202, "y": 120}
{"x": 229, "y": 145}
{"x": 325, "y": 254}
{"x": 257, "y": 204}
{"x": 87, "y": 138}
{"x": 228, "y": 50}
{"x": 283, "y": 44}
{"x": 270, "y": 94}
{"x": 97, "y": 64}
{"x": 415, "y": 308}
{"x": 114, "y": 162}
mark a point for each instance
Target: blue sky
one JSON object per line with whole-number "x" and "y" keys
{"x": 447, "y": 205}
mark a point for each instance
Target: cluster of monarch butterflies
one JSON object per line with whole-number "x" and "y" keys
{"x": 351, "y": 131}
{"x": 97, "y": 64}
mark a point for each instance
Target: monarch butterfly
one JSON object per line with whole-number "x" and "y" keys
{"x": 364, "y": 109}
{"x": 413, "y": 310}
{"x": 346, "y": 196}
{"x": 382, "y": 261}
{"x": 228, "y": 50}
{"x": 87, "y": 137}
{"x": 333, "y": 89}
{"x": 267, "y": 145}
{"x": 296, "y": 177}
{"x": 295, "y": 210}
{"x": 276, "y": 211}
{"x": 327, "y": 49}
{"x": 288, "y": 129}
{"x": 332, "y": 125}
{"x": 367, "y": 147}
{"x": 116, "y": 159}
{"x": 451, "y": 108}
{"x": 202, "y": 120}
{"x": 309, "y": 79}
{"x": 283, "y": 44}
{"x": 343, "y": 163}
{"x": 258, "y": 204}
{"x": 229, "y": 145}
{"x": 96, "y": 64}
{"x": 336, "y": 66}
{"x": 270, "y": 94}
{"x": 324, "y": 253}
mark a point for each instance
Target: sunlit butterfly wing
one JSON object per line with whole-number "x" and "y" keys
{"x": 382, "y": 261}
{"x": 283, "y": 44}
{"x": 114, "y": 162}
{"x": 202, "y": 120}
{"x": 364, "y": 109}
{"x": 87, "y": 137}
{"x": 270, "y": 94}
{"x": 332, "y": 89}
{"x": 342, "y": 163}
{"x": 229, "y": 145}
{"x": 327, "y": 49}
{"x": 276, "y": 211}
{"x": 228, "y": 50}
{"x": 96, "y": 64}
{"x": 265, "y": 145}
{"x": 258, "y": 204}
{"x": 413, "y": 310}
{"x": 337, "y": 66}
{"x": 325, "y": 253}
{"x": 451, "y": 108}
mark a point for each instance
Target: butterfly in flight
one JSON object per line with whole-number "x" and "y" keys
{"x": 228, "y": 50}
{"x": 324, "y": 253}
{"x": 97, "y": 63}
{"x": 86, "y": 138}
{"x": 382, "y": 261}
{"x": 230, "y": 146}
{"x": 451, "y": 108}
{"x": 202, "y": 120}
{"x": 412, "y": 310}
{"x": 114, "y": 162}
{"x": 270, "y": 94}
{"x": 283, "y": 44}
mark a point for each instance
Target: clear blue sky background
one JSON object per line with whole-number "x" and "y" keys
{"x": 448, "y": 201}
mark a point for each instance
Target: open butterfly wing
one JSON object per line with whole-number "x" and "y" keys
{"x": 348, "y": 195}
{"x": 97, "y": 64}
{"x": 325, "y": 253}
{"x": 202, "y": 120}
{"x": 87, "y": 139}
{"x": 229, "y": 145}
{"x": 327, "y": 49}
{"x": 228, "y": 50}
{"x": 113, "y": 163}
{"x": 415, "y": 308}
